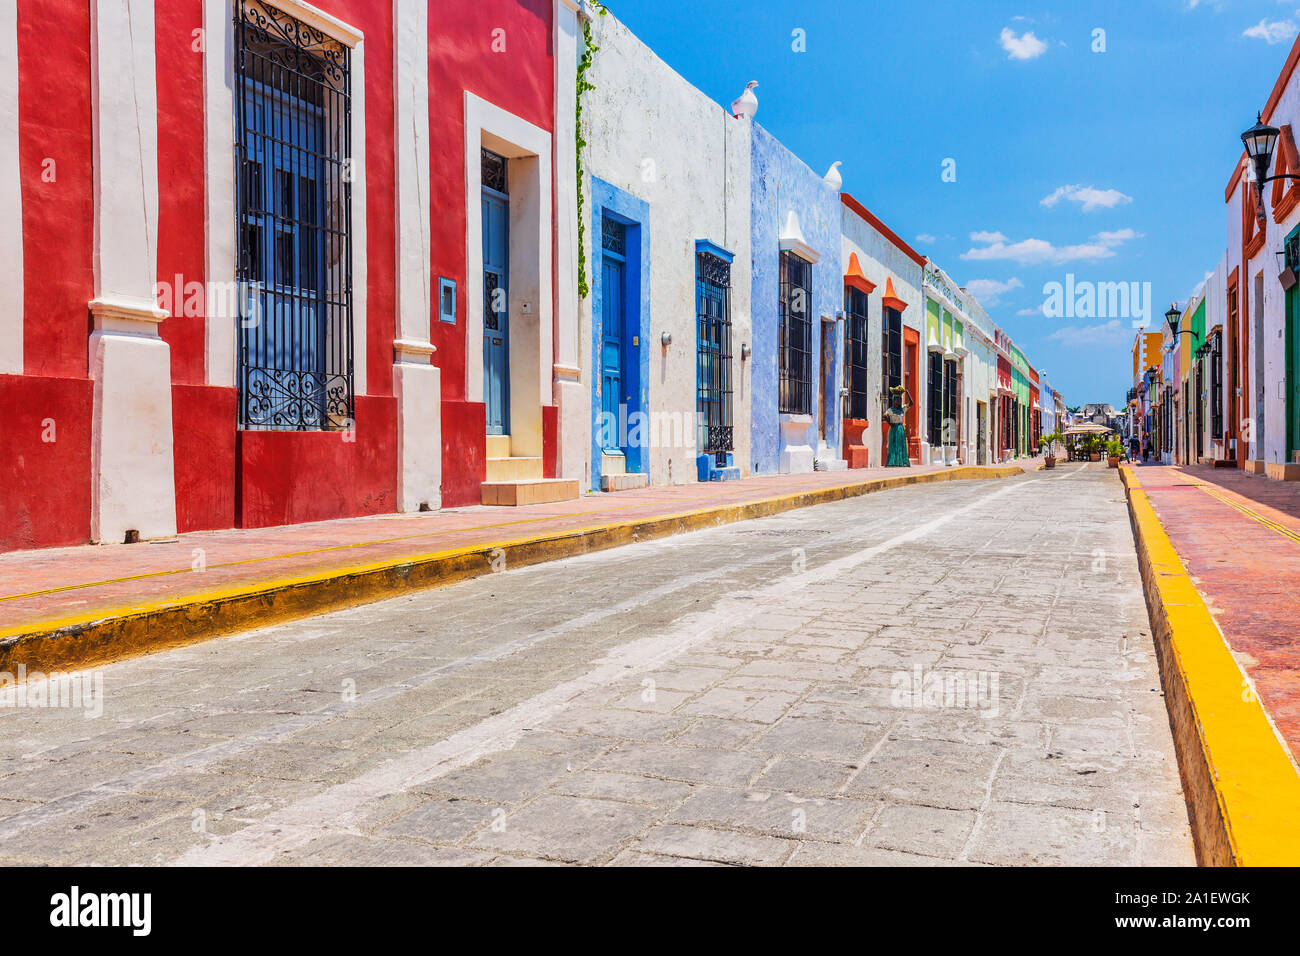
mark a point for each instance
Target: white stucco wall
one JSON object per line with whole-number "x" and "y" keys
{"x": 1268, "y": 351}
{"x": 656, "y": 137}
{"x": 980, "y": 378}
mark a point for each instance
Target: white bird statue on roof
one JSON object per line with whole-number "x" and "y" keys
{"x": 747, "y": 105}
{"x": 833, "y": 177}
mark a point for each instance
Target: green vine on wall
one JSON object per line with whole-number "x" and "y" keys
{"x": 589, "y": 49}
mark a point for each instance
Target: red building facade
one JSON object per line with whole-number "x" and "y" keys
{"x": 244, "y": 266}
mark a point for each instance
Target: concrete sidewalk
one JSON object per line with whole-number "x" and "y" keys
{"x": 74, "y": 606}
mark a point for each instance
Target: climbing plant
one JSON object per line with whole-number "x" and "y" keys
{"x": 589, "y": 49}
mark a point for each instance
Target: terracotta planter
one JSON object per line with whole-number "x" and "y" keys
{"x": 1094, "y": 456}
{"x": 1049, "y": 462}
{"x": 1114, "y": 460}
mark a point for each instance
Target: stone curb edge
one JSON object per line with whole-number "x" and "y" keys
{"x": 109, "y": 634}
{"x": 1242, "y": 788}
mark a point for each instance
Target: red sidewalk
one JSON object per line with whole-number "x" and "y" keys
{"x": 1239, "y": 538}
{"x": 50, "y": 585}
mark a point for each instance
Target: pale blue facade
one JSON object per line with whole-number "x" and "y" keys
{"x": 781, "y": 182}
{"x": 1047, "y": 411}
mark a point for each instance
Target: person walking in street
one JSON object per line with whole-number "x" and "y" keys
{"x": 1133, "y": 445}
{"x": 1146, "y": 451}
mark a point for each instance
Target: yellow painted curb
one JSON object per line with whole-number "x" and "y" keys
{"x": 1242, "y": 787}
{"x": 107, "y": 634}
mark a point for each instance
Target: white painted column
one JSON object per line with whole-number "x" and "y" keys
{"x": 573, "y": 406}
{"x": 221, "y": 352}
{"x": 416, "y": 383}
{"x": 11, "y": 200}
{"x": 132, "y": 481}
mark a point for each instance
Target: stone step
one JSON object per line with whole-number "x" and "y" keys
{"x": 498, "y": 446}
{"x": 535, "y": 492}
{"x": 613, "y": 464}
{"x": 513, "y": 469}
{"x": 624, "y": 481}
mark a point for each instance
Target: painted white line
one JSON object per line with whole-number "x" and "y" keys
{"x": 341, "y": 807}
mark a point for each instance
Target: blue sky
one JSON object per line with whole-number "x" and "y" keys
{"x": 1135, "y": 143}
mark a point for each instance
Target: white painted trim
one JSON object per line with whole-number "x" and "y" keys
{"x": 565, "y": 44}
{"x": 11, "y": 200}
{"x": 360, "y": 270}
{"x": 222, "y": 349}
{"x": 124, "y": 126}
{"x": 412, "y": 186}
{"x": 132, "y": 477}
{"x": 221, "y": 341}
{"x": 314, "y": 16}
{"x": 522, "y": 138}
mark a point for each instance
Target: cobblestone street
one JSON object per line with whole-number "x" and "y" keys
{"x": 959, "y": 673}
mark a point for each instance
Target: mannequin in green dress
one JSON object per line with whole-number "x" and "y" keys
{"x": 900, "y": 400}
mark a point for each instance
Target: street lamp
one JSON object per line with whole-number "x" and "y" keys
{"x": 1173, "y": 316}
{"x": 1260, "y": 141}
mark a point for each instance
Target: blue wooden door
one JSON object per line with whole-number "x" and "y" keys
{"x": 496, "y": 318}
{"x": 613, "y": 320}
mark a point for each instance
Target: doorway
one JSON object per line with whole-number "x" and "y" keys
{"x": 613, "y": 309}
{"x": 496, "y": 293}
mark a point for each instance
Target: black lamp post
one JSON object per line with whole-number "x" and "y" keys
{"x": 1260, "y": 141}
{"x": 1173, "y": 317}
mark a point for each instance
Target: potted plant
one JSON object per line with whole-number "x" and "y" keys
{"x": 1114, "y": 452}
{"x": 1092, "y": 445}
{"x": 1047, "y": 445}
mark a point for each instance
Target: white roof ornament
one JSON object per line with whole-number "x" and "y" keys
{"x": 833, "y": 177}
{"x": 747, "y": 105}
{"x": 792, "y": 240}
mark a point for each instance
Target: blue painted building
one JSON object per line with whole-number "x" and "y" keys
{"x": 797, "y": 313}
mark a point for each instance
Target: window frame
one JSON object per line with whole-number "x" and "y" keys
{"x": 794, "y": 348}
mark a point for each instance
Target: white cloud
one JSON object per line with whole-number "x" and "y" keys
{"x": 988, "y": 291}
{"x": 1037, "y": 310}
{"x": 1109, "y": 334}
{"x": 1030, "y": 252}
{"x": 1118, "y": 237}
{"x": 1278, "y": 31}
{"x": 925, "y": 237}
{"x": 1023, "y": 47}
{"x": 1089, "y": 197}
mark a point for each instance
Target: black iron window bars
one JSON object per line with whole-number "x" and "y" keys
{"x": 715, "y": 434}
{"x": 294, "y": 222}
{"x": 795, "y": 384}
{"x": 855, "y": 353}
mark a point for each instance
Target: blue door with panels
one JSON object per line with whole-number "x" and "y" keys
{"x": 613, "y": 316}
{"x": 496, "y": 295}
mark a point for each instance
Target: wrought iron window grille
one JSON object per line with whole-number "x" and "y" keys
{"x": 795, "y": 353}
{"x": 856, "y": 379}
{"x": 294, "y": 230}
{"x": 613, "y": 236}
{"x": 494, "y": 171}
{"x": 713, "y": 357}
